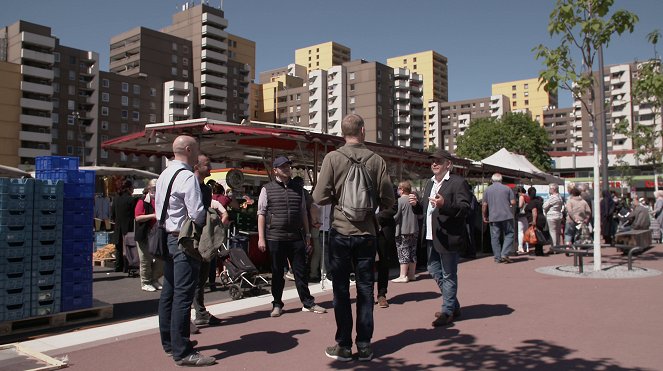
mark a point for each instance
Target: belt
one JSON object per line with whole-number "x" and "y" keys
{"x": 174, "y": 233}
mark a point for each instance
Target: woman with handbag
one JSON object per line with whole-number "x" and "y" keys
{"x": 552, "y": 208}
{"x": 535, "y": 218}
{"x": 521, "y": 218}
{"x": 150, "y": 269}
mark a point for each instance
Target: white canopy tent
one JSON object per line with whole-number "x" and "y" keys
{"x": 12, "y": 172}
{"x": 518, "y": 162}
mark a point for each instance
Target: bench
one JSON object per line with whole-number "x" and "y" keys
{"x": 633, "y": 242}
{"x": 578, "y": 251}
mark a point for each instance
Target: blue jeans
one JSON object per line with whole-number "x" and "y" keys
{"x": 180, "y": 276}
{"x": 443, "y": 266}
{"x": 496, "y": 230}
{"x": 295, "y": 251}
{"x": 569, "y": 232}
{"x": 344, "y": 252}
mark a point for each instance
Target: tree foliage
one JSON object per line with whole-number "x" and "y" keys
{"x": 516, "y": 132}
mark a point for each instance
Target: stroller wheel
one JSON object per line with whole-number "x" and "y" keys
{"x": 235, "y": 292}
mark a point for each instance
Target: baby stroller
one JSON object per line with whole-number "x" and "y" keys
{"x": 240, "y": 274}
{"x": 130, "y": 252}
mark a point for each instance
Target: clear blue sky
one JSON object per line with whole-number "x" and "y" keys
{"x": 486, "y": 41}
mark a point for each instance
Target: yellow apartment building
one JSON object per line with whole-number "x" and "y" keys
{"x": 527, "y": 96}
{"x": 322, "y": 56}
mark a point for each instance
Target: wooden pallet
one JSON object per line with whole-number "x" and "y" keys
{"x": 56, "y": 320}
{"x": 110, "y": 262}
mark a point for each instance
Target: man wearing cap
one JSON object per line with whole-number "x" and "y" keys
{"x": 283, "y": 227}
{"x": 639, "y": 216}
{"x": 445, "y": 204}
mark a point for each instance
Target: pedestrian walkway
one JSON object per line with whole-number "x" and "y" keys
{"x": 512, "y": 318}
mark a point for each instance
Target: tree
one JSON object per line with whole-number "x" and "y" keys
{"x": 584, "y": 26}
{"x": 647, "y": 92}
{"x": 516, "y": 132}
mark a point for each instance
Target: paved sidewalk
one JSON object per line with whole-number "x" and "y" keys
{"x": 512, "y": 318}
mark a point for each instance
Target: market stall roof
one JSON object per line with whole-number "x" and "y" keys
{"x": 257, "y": 144}
{"x": 12, "y": 172}
{"x": 517, "y": 162}
{"x": 114, "y": 170}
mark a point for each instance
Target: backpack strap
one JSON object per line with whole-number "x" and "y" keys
{"x": 162, "y": 219}
{"x": 353, "y": 160}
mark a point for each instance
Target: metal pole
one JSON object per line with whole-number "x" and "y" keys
{"x": 603, "y": 123}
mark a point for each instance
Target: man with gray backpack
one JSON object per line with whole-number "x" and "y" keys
{"x": 354, "y": 180}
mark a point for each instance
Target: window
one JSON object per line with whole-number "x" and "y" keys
{"x": 185, "y": 61}
{"x": 235, "y": 93}
{"x": 414, "y": 59}
{"x": 125, "y": 100}
{"x": 173, "y": 59}
{"x": 513, "y": 104}
{"x": 136, "y": 89}
{"x": 55, "y": 118}
{"x": 70, "y": 135}
{"x": 185, "y": 49}
{"x": 135, "y": 103}
{"x": 513, "y": 96}
{"x": 124, "y": 127}
{"x": 153, "y": 105}
{"x": 105, "y": 83}
{"x": 71, "y": 105}
{"x": 123, "y": 157}
{"x": 125, "y": 87}
{"x": 526, "y": 101}
{"x": 104, "y": 125}
{"x": 414, "y": 67}
{"x": 70, "y": 150}
{"x": 135, "y": 115}
{"x": 56, "y": 72}
{"x": 72, "y": 75}
{"x": 299, "y": 96}
{"x": 185, "y": 74}
{"x": 173, "y": 71}
{"x": 56, "y": 57}
{"x": 103, "y": 153}
{"x": 125, "y": 114}
{"x": 56, "y": 87}
{"x": 174, "y": 46}
{"x": 72, "y": 59}
{"x": 153, "y": 118}
{"x": 526, "y": 86}
{"x": 352, "y": 100}
{"x": 526, "y": 94}
{"x": 104, "y": 111}
{"x": 513, "y": 87}
{"x": 153, "y": 92}
{"x": 55, "y": 134}
{"x": 379, "y": 110}
{"x": 352, "y": 75}
{"x": 352, "y": 87}
{"x": 71, "y": 90}
{"x": 404, "y": 60}
{"x": 56, "y": 103}
{"x": 299, "y": 108}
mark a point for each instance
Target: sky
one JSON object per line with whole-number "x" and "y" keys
{"x": 485, "y": 41}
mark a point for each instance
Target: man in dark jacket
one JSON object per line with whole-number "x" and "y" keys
{"x": 122, "y": 213}
{"x": 445, "y": 205}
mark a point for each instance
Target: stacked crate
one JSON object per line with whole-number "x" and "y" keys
{"x": 77, "y": 235}
{"x": 16, "y": 202}
{"x": 47, "y": 227}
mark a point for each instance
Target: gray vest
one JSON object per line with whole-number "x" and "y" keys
{"x": 284, "y": 217}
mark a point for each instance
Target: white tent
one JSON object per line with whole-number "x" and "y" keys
{"x": 518, "y": 162}
{"x": 8, "y": 171}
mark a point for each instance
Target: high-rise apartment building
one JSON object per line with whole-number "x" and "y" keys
{"x": 453, "y": 118}
{"x": 432, "y": 67}
{"x": 527, "y": 96}
{"x": 322, "y": 56}
{"x": 10, "y": 106}
{"x": 558, "y": 123}
{"x": 408, "y": 117}
{"x": 58, "y": 93}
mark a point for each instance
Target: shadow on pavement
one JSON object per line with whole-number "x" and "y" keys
{"x": 268, "y": 341}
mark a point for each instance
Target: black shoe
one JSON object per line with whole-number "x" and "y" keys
{"x": 443, "y": 320}
{"x": 505, "y": 260}
{"x": 209, "y": 320}
{"x": 456, "y": 314}
{"x": 196, "y": 359}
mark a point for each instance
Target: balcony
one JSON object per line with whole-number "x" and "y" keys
{"x": 416, "y": 89}
{"x": 402, "y": 107}
{"x": 213, "y": 67}
{"x": 36, "y": 120}
{"x": 180, "y": 99}
{"x": 215, "y": 104}
{"x": 214, "y": 31}
{"x": 37, "y": 104}
{"x": 212, "y": 55}
{"x": 403, "y": 120}
{"x": 180, "y": 112}
{"x": 34, "y": 39}
{"x": 417, "y": 112}
{"x": 208, "y": 43}
{"x": 36, "y": 88}
{"x": 401, "y": 84}
{"x": 416, "y": 100}
{"x": 211, "y": 79}
{"x": 32, "y": 136}
{"x": 37, "y": 56}
{"x": 37, "y": 72}
{"x": 33, "y": 152}
{"x": 207, "y": 91}
{"x": 402, "y": 95}
{"x": 212, "y": 19}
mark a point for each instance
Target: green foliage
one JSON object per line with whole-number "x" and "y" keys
{"x": 516, "y": 132}
{"x": 583, "y": 26}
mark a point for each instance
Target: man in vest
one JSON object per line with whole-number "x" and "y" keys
{"x": 283, "y": 227}
{"x": 352, "y": 243}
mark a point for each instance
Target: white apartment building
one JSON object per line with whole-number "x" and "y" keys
{"x": 336, "y": 98}
{"x": 179, "y": 99}
{"x": 408, "y": 110}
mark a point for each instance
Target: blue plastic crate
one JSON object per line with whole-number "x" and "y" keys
{"x": 46, "y": 234}
{"x": 84, "y": 177}
{"x": 82, "y": 204}
{"x": 15, "y": 265}
{"x": 47, "y": 187}
{"x": 102, "y": 238}
{"x": 76, "y": 289}
{"x": 44, "y": 308}
{"x": 26, "y": 244}
{"x": 71, "y": 261}
{"x": 47, "y": 263}
{"x": 56, "y": 163}
{"x": 46, "y": 292}
{"x": 77, "y": 233}
{"x": 13, "y": 234}
{"x": 12, "y": 252}
{"x": 45, "y": 278}
{"x": 14, "y": 312}
{"x": 13, "y": 281}
{"x": 20, "y": 203}
{"x": 70, "y": 303}
{"x": 19, "y": 187}
{"x": 46, "y": 218}
{"x": 79, "y": 218}
{"x": 47, "y": 203}
{"x": 81, "y": 274}
{"x": 11, "y": 217}
{"x": 47, "y": 249}
{"x": 14, "y": 296}
{"x": 79, "y": 190}
{"x": 81, "y": 247}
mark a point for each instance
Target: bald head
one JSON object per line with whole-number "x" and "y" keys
{"x": 185, "y": 149}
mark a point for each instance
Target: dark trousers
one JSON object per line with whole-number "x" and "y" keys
{"x": 180, "y": 276}
{"x": 382, "y": 266}
{"x": 343, "y": 252}
{"x": 199, "y": 296}
{"x": 281, "y": 252}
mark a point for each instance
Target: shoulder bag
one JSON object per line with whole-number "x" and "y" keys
{"x": 158, "y": 236}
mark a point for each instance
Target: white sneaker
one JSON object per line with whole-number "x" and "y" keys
{"x": 289, "y": 276}
{"x": 400, "y": 279}
{"x": 157, "y": 285}
{"x": 148, "y": 287}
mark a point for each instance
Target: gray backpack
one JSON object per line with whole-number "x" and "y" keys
{"x": 357, "y": 201}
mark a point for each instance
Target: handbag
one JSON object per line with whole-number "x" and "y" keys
{"x": 142, "y": 229}
{"x": 157, "y": 239}
{"x": 530, "y": 235}
{"x": 540, "y": 236}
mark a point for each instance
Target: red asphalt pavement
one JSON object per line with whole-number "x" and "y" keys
{"x": 513, "y": 318}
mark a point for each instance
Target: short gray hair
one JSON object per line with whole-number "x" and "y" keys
{"x": 496, "y": 178}
{"x": 554, "y": 186}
